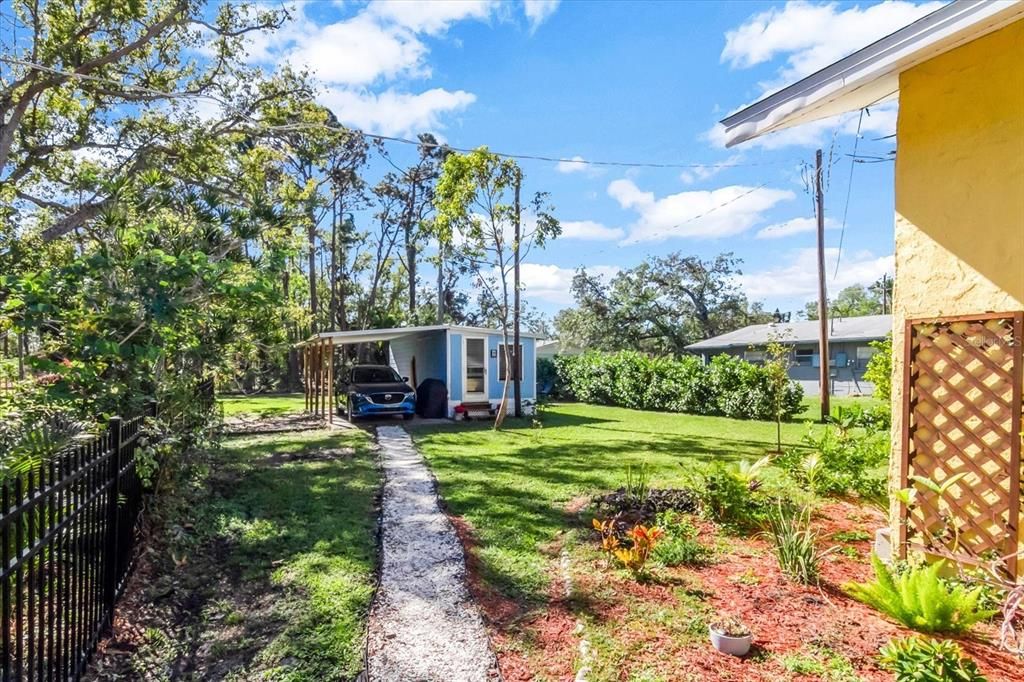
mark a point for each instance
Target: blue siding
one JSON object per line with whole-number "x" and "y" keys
{"x": 529, "y": 383}
{"x": 455, "y": 390}
{"x": 427, "y": 349}
{"x": 493, "y": 385}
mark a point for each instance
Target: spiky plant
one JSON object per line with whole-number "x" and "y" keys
{"x": 795, "y": 544}
{"x": 920, "y": 599}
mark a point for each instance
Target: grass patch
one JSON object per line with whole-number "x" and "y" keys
{"x": 263, "y": 405}
{"x": 276, "y": 571}
{"x": 513, "y": 485}
{"x": 811, "y": 405}
{"x": 820, "y": 662}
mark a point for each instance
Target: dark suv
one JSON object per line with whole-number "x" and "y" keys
{"x": 377, "y": 390}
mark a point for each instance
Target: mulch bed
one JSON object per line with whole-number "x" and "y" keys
{"x": 786, "y": 618}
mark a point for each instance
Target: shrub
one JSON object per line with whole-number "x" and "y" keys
{"x": 727, "y": 386}
{"x": 920, "y": 599}
{"x": 643, "y": 541}
{"x": 679, "y": 545}
{"x": 726, "y": 495}
{"x": 795, "y": 544}
{"x": 548, "y": 378}
{"x": 879, "y": 368}
{"x": 842, "y": 462}
{"x": 915, "y": 659}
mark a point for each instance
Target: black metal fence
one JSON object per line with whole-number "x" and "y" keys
{"x": 66, "y": 539}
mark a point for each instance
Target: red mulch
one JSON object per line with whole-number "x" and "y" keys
{"x": 784, "y": 616}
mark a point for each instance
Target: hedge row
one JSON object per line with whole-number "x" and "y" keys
{"x": 727, "y": 386}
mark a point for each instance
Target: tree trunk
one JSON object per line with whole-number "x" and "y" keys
{"x": 313, "y": 308}
{"x": 333, "y": 277}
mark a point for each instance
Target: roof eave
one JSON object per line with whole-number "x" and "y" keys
{"x": 870, "y": 75}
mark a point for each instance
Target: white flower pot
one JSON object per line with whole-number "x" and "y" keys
{"x": 735, "y": 646}
{"x": 883, "y": 545}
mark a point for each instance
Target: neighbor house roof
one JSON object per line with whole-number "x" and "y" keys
{"x": 374, "y": 335}
{"x": 866, "y": 328}
{"x": 871, "y": 75}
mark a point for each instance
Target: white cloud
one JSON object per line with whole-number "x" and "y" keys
{"x": 590, "y": 230}
{"x": 553, "y": 283}
{"x": 359, "y": 51}
{"x": 813, "y": 35}
{"x": 431, "y": 16}
{"x": 702, "y": 173}
{"x": 395, "y": 113}
{"x": 538, "y": 11}
{"x": 794, "y": 226}
{"x": 703, "y": 214}
{"x": 799, "y": 277}
{"x": 574, "y": 165}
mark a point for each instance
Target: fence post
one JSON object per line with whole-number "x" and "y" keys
{"x": 110, "y": 549}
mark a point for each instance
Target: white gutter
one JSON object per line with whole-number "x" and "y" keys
{"x": 871, "y": 75}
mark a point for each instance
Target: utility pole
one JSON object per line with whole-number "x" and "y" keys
{"x": 885, "y": 293}
{"x": 823, "y": 363}
{"x": 517, "y": 361}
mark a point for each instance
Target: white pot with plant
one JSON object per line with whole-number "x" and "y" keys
{"x": 730, "y": 636}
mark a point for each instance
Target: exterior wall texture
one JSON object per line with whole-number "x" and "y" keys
{"x": 959, "y": 190}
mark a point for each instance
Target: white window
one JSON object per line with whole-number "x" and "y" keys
{"x": 803, "y": 357}
{"x": 753, "y": 355}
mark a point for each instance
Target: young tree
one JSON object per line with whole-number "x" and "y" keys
{"x": 476, "y": 218}
{"x": 777, "y": 362}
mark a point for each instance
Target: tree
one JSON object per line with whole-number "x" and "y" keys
{"x": 413, "y": 187}
{"x": 475, "y": 215}
{"x": 776, "y": 363}
{"x": 855, "y": 300}
{"x": 95, "y": 93}
{"x": 660, "y": 306}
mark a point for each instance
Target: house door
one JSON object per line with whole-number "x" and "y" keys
{"x": 476, "y": 369}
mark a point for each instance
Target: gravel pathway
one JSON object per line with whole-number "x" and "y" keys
{"x": 424, "y": 625}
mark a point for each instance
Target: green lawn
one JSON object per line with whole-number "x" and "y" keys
{"x": 263, "y": 405}
{"x": 280, "y": 570}
{"x": 812, "y": 405}
{"x": 513, "y": 485}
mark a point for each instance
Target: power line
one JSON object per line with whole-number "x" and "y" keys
{"x": 849, "y": 192}
{"x": 705, "y": 213}
{"x": 129, "y": 88}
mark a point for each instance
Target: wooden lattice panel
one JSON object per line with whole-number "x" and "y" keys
{"x": 962, "y": 415}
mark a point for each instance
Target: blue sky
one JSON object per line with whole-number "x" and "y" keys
{"x": 626, "y": 81}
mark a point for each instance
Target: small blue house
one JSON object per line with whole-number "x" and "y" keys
{"x": 469, "y": 360}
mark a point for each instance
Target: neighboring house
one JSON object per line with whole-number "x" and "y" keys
{"x": 549, "y": 348}
{"x": 848, "y": 349}
{"x": 959, "y": 250}
{"x": 469, "y": 360}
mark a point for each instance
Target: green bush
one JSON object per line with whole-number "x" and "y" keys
{"x": 679, "y": 546}
{"x": 727, "y": 386}
{"x": 548, "y": 378}
{"x": 728, "y": 496}
{"x": 879, "y": 368}
{"x": 841, "y": 462}
{"x": 920, "y": 599}
{"x": 914, "y": 659}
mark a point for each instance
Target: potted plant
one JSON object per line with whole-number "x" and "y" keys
{"x": 730, "y": 636}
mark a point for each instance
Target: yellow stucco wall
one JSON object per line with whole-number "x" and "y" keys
{"x": 959, "y": 188}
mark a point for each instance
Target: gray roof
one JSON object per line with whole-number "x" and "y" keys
{"x": 866, "y": 328}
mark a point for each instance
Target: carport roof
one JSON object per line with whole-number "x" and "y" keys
{"x": 375, "y": 335}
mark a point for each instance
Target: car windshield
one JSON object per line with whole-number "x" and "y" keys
{"x": 375, "y": 375}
